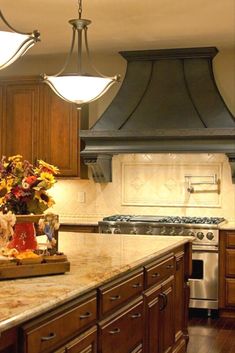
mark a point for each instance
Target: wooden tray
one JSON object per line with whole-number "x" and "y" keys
{"x": 33, "y": 270}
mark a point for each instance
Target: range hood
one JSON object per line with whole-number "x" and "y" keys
{"x": 168, "y": 103}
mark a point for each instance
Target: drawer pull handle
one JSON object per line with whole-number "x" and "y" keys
{"x": 136, "y": 316}
{"x": 162, "y": 304}
{"x": 50, "y": 337}
{"x": 157, "y": 274}
{"x": 85, "y": 316}
{"x": 169, "y": 266}
{"x": 136, "y": 285}
{"x": 115, "y": 297}
{"x": 115, "y": 331}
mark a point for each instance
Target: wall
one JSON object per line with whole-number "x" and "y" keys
{"x": 144, "y": 184}
{"x": 151, "y": 184}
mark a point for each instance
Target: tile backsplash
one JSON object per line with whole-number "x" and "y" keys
{"x": 163, "y": 184}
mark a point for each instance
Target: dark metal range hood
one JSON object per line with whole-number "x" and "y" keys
{"x": 168, "y": 103}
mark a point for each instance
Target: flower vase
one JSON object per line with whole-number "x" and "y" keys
{"x": 24, "y": 237}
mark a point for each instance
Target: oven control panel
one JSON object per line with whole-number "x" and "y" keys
{"x": 204, "y": 236}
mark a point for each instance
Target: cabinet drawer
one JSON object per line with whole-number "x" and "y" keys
{"x": 230, "y": 240}
{"x": 230, "y": 262}
{"x": 116, "y": 293}
{"x": 230, "y": 292}
{"x": 85, "y": 343}
{"x": 54, "y": 330}
{"x": 158, "y": 271}
{"x": 115, "y": 335}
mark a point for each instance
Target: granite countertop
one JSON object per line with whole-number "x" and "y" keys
{"x": 94, "y": 259}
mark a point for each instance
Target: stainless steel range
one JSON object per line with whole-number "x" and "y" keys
{"x": 204, "y": 279}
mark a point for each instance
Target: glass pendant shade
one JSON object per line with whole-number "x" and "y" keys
{"x": 13, "y": 46}
{"x": 79, "y": 89}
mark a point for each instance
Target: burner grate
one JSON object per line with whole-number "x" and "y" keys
{"x": 165, "y": 219}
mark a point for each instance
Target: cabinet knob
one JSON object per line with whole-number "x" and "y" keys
{"x": 115, "y": 297}
{"x": 169, "y": 266}
{"x": 136, "y": 316}
{"x": 136, "y": 285}
{"x": 85, "y": 316}
{"x": 50, "y": 337}
{"x": 115, "y": 331}
{"x": 157, "y": 274}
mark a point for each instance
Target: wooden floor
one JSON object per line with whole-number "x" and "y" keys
{"x": 211, "y": 334}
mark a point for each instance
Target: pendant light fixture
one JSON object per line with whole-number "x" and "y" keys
{"x": 79, "y": 88}
{"x": 14, "y": 44}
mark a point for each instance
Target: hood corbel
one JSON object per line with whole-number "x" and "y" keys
{"x": 231, "y": 159}
{"x": 100, "y": 167}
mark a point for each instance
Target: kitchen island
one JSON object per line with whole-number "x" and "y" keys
{"x": 110, "y": 278}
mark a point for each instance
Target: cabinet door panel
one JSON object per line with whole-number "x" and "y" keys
{"x": 60, "y": 133}
{"x": 230, "y": 262}
{"x": 153, "y": 302}
{"x": 21, "y": 120}
{"x": 230, "y": 240}
{"x": 167, "y": 336}
{"x": 230, "y": 292}
{"x": 179, "y": 296}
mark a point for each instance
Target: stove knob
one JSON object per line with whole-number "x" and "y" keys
{"x": 200, "y": 235}
{"x": 108, "y": 231}
{"x": 163, "y": 231}
{"x": 172, "y": 232}
{"x": 181, "y": 232}
{"x": 210, "y": 235}
{"x": 117, "y": 230}
{"x": 149, "y": 231}
{"x": 133, "y": 231}
{"x": 191, "y": 234}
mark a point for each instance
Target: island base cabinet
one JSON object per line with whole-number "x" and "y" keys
{"x": 123, "y": 332}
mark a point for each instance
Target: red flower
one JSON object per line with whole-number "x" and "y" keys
{"x": 30, "y": 179}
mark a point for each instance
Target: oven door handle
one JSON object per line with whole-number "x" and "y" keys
{"x": 205, "y": 248}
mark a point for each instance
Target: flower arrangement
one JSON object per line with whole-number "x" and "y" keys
{"x": 24, "y": 187}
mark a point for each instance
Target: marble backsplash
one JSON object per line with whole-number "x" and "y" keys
{"x": 151, "y": 184}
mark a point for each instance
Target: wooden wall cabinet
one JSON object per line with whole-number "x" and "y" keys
{"x": 39, "y": 125}
{"x": 227, "y": 273}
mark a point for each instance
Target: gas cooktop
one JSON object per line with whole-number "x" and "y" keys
{"x": 165, "y": 219}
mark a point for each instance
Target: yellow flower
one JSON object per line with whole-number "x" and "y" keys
{"x": 42, "y": 196}
{"x": 4, "y": 188}
{"x": 48, "y": 177}
{"x": 43, "y": 166}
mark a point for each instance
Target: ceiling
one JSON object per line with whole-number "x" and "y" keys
{"x": 126, "y": 24}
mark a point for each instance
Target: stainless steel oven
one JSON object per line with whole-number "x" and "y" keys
{"x": 204, "y": 279}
